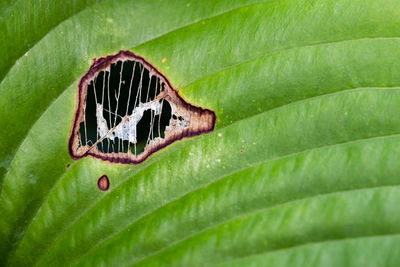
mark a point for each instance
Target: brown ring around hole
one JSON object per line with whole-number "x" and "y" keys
{"x": 199, "y": 120}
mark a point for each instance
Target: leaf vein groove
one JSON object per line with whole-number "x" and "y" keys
{"x": 93, "y": 248}
{"x": 126, "y": 180}
{"x": 261, "y": 210}
{"x": 333, "y": 240}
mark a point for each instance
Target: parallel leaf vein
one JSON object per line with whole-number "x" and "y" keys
{"x": 261, "y": 210}
{"x": 333, "y": 240}
{"x": 173, "y": 200}
{"x": 3, "y": 75}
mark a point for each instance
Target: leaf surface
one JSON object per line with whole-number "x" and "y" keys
{"x": 302, "y": 167}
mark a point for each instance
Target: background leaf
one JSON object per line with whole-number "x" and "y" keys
{"x": 302, "y": 168}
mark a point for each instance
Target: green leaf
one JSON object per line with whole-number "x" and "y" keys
{"x": 301, "y": 169}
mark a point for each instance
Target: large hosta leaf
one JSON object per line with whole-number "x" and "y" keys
{"x": 301, "y": 169}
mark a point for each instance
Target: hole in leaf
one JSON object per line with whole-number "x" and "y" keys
{"x": 128, "y": 110}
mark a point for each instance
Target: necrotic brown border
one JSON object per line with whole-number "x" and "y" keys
{"x": 201, "y": 120}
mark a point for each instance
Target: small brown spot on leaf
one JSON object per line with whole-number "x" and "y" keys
{"x": 103, "y": 183}
{"x": 68, "y": 165}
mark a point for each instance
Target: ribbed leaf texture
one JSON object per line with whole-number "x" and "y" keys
{"x": 302, "y": 168}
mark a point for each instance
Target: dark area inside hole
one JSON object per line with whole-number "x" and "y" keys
{"x": 177, "y": 118}
{"x": 120, "y": 91}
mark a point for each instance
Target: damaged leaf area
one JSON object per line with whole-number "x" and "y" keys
{"x": 127, "y": 110}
